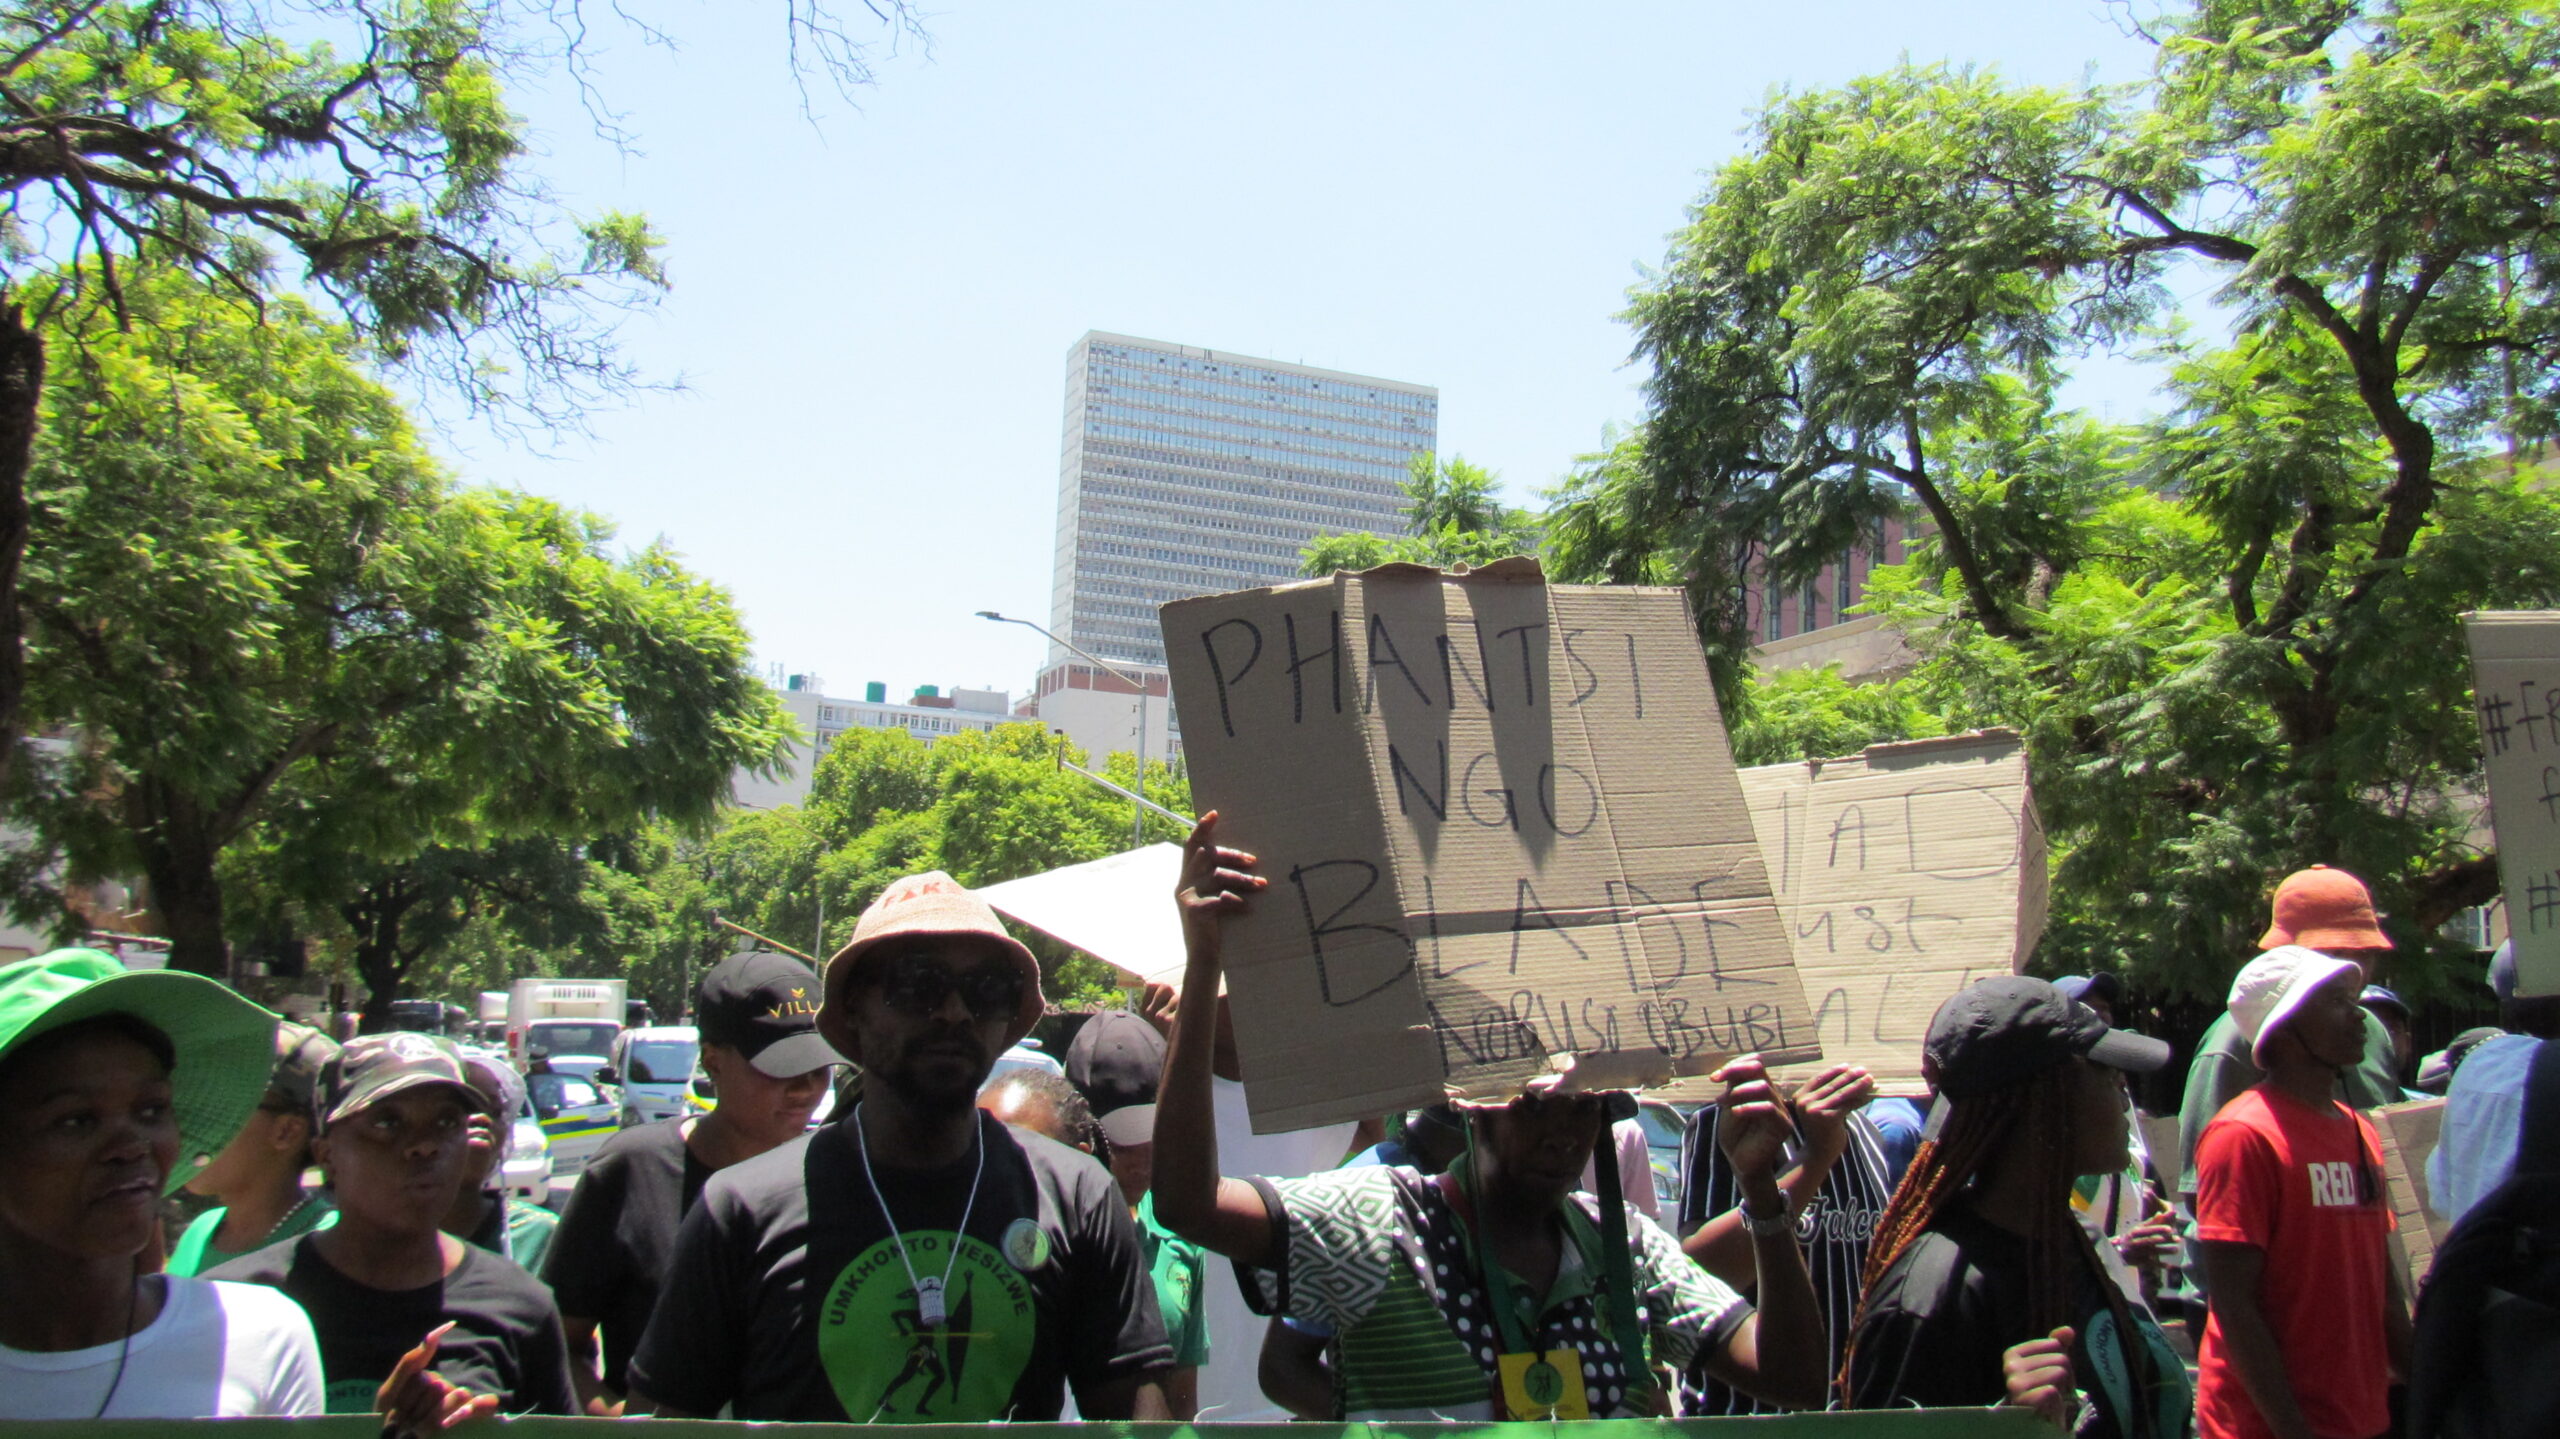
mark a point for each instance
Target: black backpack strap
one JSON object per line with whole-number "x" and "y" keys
{"x": 2538, "y": 1136}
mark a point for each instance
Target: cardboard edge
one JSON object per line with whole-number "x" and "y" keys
{"x": 1936, "y": 749}
{"x": 2496, "y": 634}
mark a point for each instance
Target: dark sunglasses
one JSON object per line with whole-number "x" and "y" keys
{"x": 917, "y": 984}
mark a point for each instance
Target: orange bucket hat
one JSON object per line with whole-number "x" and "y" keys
{"x": 2323, "y": 908}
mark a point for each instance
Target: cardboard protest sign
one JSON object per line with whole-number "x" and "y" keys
{"x": 2409, "y": 1133}
{"x": 1119, "y": 909}
{"x": 1904, "y": 874}
{"x": 2515, "y": 682}
{"x": 1503, "y": 833}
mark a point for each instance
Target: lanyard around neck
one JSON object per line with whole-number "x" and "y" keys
{"x": 1610, "y": 1269}
{"x": 931, "y": 1300}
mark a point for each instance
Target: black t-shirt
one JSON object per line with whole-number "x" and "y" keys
{"x": 1834, "y": 1231}
{"x": 618, "y": 1234}
{"x": 788, "y": 1300}
{"x": 1956, "y": 1300}
{"x": 505, "y": 1340}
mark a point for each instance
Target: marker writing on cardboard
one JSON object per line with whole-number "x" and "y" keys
{"x": 1452, "y": 666}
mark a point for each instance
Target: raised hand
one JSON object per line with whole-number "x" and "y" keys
{"x": 2149, "y": 1244}
{"x": 416, "y": 1402}
{"x": 2038, "y": 1374}
{"x": 1751, "y": 1124}
{"x": 1216, "y": 882}
{"x": 1157, "y": 1004}
{"x": 1823, "y": 1107}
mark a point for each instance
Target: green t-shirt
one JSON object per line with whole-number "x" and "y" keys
{"x": 1178, "y": 1268}
{"x": 194, "y": 1253}
{"x": 529, "y": 1229}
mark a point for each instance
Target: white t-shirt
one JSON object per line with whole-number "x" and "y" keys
{"x": 217, "y": 1351}
{"x": 1231, "y": 1382}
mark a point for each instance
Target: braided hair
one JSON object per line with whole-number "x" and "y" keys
{"x": 2030, "y": 1123}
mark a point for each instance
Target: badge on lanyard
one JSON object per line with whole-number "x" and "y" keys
{"x": 1543, "y": 1386}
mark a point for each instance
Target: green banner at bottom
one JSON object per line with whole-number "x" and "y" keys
{"x": 1864, "y": 1424}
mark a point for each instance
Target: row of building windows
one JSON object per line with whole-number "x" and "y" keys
{"x": 1185, "y": 364}
{"x": 1109, "y": 417}
{"x": 1363, "y": 428}
{"x": 1154, "y": 513}
{"x": 1383, "y": 414}
{"x": 1383, "y": 483}
{"x": 1391, "y": 472}
{"x": 1311, "y": 514}
{"x": 1847, "y": 587}
{"x": 833, "y": 720}
{"x": 1194, "y": 549}
{"x": 1181, "y": 579}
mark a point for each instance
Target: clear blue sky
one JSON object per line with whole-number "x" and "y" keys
{"x": 872, "y": 313}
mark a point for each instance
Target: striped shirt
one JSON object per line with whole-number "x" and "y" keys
{"x": 1835, "y": 1230}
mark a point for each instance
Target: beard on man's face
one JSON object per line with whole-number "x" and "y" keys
{"x": 935, "y": 1067}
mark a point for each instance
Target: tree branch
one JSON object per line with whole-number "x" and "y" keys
{"x": 1977, "y": 586}
{"x": 49, "y": 38}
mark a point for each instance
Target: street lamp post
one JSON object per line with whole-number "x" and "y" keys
{"x": 1138, "y": 818}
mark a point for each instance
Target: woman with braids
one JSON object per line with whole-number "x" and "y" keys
{"x": 1983, "y": 1285}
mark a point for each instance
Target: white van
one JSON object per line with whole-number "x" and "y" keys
{"x": 655, "y": 1068}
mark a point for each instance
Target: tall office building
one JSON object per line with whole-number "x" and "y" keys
{"x": 1186, "y": 471}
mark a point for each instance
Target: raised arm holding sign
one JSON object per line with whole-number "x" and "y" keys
{"x": 1530, "y": 1336}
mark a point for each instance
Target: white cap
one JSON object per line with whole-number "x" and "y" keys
{"x": 2271, "y": 987}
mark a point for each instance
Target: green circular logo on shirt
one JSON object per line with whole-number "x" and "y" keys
{"x": 888, "y": 1366}
{"x": 1026, "y": 1244}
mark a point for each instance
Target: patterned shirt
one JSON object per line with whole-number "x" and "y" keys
{"x": 1382, "y": 1257}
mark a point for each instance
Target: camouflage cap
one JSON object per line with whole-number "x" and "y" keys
{"x": 374, "y": 1067}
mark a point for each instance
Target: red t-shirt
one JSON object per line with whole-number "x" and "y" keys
{"x": 2306, "y": 1186}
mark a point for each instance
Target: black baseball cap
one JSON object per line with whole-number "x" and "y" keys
{"x": 765, "y": 1006}
{"x": 2103, "y": 984}
{"x": 1116, "y": 1061}
{"x": 1999, "y": 1031}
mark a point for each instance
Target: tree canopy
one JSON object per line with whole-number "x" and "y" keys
{"x": 359, "y": 156}
{"x": 1455, "y": 515}
{"x": 320, "y": 646}
{"x": 2229, "y": 635}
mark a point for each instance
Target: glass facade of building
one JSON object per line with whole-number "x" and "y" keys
{"x": 1186, "y": 471}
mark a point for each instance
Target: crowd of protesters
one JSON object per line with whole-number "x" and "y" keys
{"x": 960, "y": 1245}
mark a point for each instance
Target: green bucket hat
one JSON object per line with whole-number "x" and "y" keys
{"x": 225, "y": 1045}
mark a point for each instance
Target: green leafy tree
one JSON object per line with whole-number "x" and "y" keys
{"x": 320, "y": 641}
{"x": 984, "y": 807}
{"x": 1456, "y": 516}
{"x": 358, "y": 155}
{"x": 1800, "y": 714}
{"x": 2257, "y": 666}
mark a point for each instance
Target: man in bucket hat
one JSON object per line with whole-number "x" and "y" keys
{"x": 2322, "y": 909}
{"x": 914, "y": 1260}
{"x": 2308, "y": 1323}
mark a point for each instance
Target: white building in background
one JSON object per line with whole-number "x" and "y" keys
{"x": 1185, "y": 471}
{"x": 928, "y": 714}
